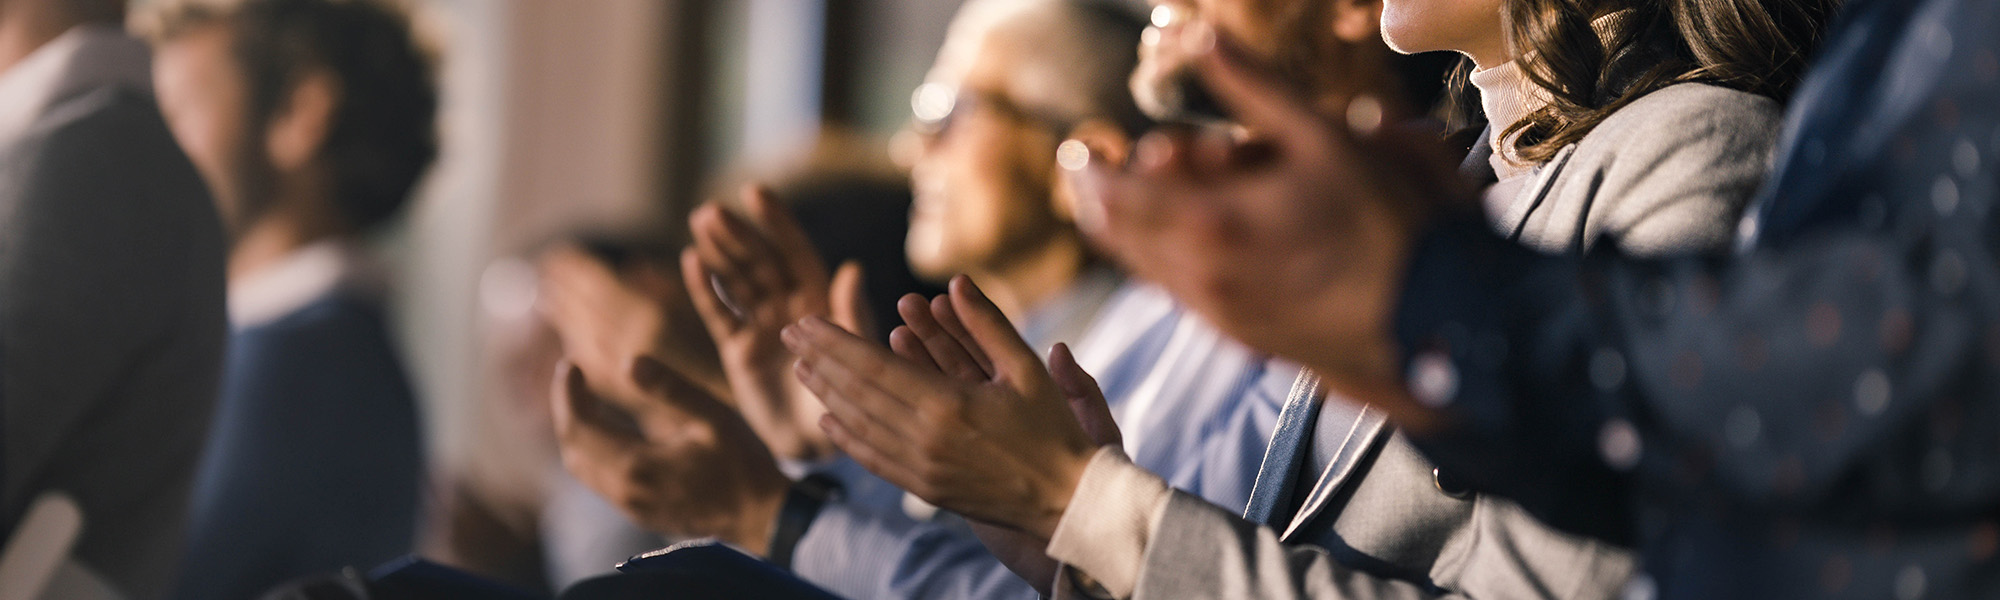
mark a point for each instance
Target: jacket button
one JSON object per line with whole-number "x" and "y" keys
{"x": 1449, "y": 485}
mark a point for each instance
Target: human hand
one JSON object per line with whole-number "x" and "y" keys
{"x": 1005, "y": 450}
{"x": 670, "y": 455}
{"x": 1291, "y": 234}
{"x": 934, "y": 337}
{"x": 605, "y": 316}
{"x": 749, "y": 279}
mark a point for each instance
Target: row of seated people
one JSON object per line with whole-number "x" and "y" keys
{"x": 1357, "y": 367}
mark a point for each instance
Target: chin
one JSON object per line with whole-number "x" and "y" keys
{"x": 1404, "y": 31}
{"x": 924, "y": 249}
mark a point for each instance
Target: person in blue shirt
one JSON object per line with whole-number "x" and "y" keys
{"x": 311, "y": 120}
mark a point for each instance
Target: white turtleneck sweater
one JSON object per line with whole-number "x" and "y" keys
{"x": 1507, "y": 96}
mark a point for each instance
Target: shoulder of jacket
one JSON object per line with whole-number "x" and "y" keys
{"x": 112, "y": 109}
{"x": 1683, "y": 109}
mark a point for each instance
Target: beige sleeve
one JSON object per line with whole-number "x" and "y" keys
{"x": 1103, "y": 534}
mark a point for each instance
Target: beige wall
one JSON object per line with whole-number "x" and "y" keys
{"x": 552, "y": 120}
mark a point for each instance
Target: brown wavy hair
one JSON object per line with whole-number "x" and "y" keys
{"x": 1596, "y": 56}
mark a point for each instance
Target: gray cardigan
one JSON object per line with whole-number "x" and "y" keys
{"x": 1669, "y": 173}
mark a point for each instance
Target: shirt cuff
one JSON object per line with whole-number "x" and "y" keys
{"x": 1105, "y": 529}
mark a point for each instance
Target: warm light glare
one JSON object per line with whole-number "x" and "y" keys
{"x": 932, "y": 102}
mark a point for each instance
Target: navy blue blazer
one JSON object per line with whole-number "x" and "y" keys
{"x": 1818, "y": 416}
{"x": 314, "y": 460}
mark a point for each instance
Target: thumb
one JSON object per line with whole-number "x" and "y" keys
{"x": 720, "y": 319}
{"x": 848, "y": 299}
{"x": 581, "y": 415}
{"x": 1086, "y": 400}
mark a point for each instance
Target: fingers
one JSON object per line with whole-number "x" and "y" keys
{"x": 849, "y": 300}
{"x": 1086, "y": 400}
{"x": 947, "y": 351}
{"x": 718, "y": 316}
{"x": 595, "y": 455}
{"x": 855, "y": 378}
{"x": 569, "y": 283}
{"x": 581, "y": 417}
{"x": 1125, "y": 212}
{"x": 1010, "y": 354}
{"x": 1258, "y": 100}
{"x": 794, "y": 247}
{"x": 561, "y": 398}
{"x": 861, "y": 448}
{"x": 748, "y": 267}
{"x": 947, "y": 319}
{"x": 906, "y": 344}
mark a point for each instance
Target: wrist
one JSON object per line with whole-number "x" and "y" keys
{"x": 802, "y": 504}
{"x": 1066, "y": 473}
{"x": 759, "y": 519}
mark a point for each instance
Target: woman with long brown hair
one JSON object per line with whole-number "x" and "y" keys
{"x": 1648, "y": 120}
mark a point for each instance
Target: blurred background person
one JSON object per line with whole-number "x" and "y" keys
{"x": 111, "y": 296}
{"x": 312, "y": 121}
{"x": 1011, "y": 80}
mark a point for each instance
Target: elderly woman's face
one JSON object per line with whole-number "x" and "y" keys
{"x": 983, "y": 177}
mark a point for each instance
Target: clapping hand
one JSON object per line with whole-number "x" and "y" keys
{"x": 935, "y": 337}
{"x": 669, "y": 454}
{"x": 606, "y": 314}
{"x": 978, "y": 428}
{"x": 1291, "y": 233}
{"x": 751, "y": 278}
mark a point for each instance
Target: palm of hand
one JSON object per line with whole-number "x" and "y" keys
{"x": 750, "y": 279}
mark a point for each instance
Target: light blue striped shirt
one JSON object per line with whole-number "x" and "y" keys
{"x": 1194, "y": 407}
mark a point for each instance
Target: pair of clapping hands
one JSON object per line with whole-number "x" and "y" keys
{"x": 644, "y": 421}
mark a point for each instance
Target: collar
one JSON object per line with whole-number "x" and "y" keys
{"x": 1069, "y": 315}
{"x": 298, "y": 279}
{"x": 1507, "y": 96}
{"x": 83, "y": 58}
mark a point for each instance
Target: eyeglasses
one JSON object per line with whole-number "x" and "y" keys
{"x": 936, "y": 107}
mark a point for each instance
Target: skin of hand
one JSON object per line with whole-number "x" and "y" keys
{"x": 673, "y": 457}
{"x": 933, "y": 337}
{"x": 1005, "y": 450}
{"x": 604, "y": 317}
{"x": 1291, "y": 233}
{"x": 749, "y": 279}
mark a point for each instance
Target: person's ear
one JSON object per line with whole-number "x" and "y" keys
{"x": 298, "y": 130}
{"x": 1108, "y": 140}
{"x": 1357, "y": 21}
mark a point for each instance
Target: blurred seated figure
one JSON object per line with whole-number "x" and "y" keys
{"x": 111, "y": 296}
{"x": 312, "y": 121}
